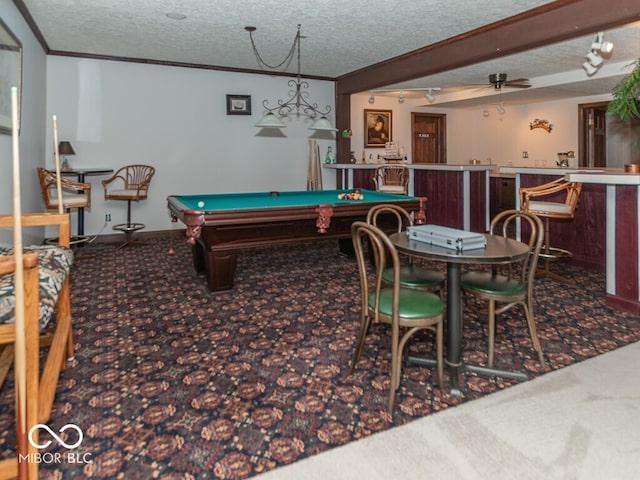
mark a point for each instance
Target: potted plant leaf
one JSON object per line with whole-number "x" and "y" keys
{"x": 626, "y": 104}
{"x": 626, "y": 95}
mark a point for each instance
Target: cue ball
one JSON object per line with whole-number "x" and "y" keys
{"x": 200, "y": 204}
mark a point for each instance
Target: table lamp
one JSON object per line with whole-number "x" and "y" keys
{"x": 65, "y": 148}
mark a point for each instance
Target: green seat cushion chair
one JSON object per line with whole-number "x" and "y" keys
{"x": 413, "y": 303}
{"x": 486, "y": 282}
{"x": 415, "y": 277}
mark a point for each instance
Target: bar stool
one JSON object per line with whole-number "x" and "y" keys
{"x": 74, "y": 195}
{"x": 392, "y": 179}
{"x": 129, "y": 183}
{"x": 563, "y": 197}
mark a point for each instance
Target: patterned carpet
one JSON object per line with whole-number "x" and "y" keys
{"x": 170, "y": 381}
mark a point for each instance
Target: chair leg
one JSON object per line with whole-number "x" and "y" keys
{"x": 492, "y": 332}
{"x": 440, "y": 354}
{"x": 396, "y": 363}
{"x": 549, "y": 255}
{"x": 71, "y": 355}
{"x": 128, "y": 228}
{"x": 364, "y": 327}
{"x": 546, "y": 272}
{"x": 531, "y": 322}
{"x": 396, "y": 357}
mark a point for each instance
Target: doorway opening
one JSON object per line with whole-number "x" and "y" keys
{"x": 592, "y": 135}
{"x": 605, "y": 140}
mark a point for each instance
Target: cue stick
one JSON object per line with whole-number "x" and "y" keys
{"x": 310, "y": 147}
{"x": 318, "y": 167}
{"x": 20, "y": 351}
{"x": 56, "y": 155}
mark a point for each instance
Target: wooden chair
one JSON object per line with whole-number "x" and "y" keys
{"x": 392, "y": 179}
{"x": 406, "y": 310}
{"x": 411, "y": 276}
{"x": 131, "y": 184}
{"x": 514, "y": 288}
{"x": 74, "y": 195}
{"x": 561, "y": 201}
{"x": 42, "y": 299}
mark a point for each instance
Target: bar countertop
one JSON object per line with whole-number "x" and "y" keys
{"x": 604, "y": 176}
{"x": 414, "y": 166}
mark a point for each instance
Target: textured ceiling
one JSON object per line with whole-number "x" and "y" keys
{"x": 339, "y": 37}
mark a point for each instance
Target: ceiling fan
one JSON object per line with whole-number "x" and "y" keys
{"x": 499, "y": 80}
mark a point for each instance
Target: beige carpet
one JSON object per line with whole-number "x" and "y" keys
{"x": 581, "y": 422}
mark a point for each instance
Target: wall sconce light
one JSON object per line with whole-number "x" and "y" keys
{"x": 500, "y": 109}
{"x": 485, "y": 112}
{"x": 401, "y": 98}
{"x": 372, "y": 98}
{"x": 594, "y": 57}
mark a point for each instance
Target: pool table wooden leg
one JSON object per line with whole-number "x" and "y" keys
{"x": 220, "y": 269}
{"x": 219, "y": 266}
{"x": 197, "y": 251}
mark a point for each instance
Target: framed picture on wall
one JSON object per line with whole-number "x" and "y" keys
{"x": 238, "y": 104}
{"x": 10, "y": 74}
{"x": 377, "y": 128}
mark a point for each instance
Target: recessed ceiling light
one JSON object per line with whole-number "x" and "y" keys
{"x": 176, "y": 16}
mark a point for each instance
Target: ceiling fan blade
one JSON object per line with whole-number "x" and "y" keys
{"x": 518, "y": 83}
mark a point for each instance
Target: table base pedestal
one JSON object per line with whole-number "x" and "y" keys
{"x": 455, "y": 370}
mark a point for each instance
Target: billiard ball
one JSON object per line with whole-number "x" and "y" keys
{"x": 200, "y": 204}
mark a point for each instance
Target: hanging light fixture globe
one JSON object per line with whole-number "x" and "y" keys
{"x": 297, "y": 104}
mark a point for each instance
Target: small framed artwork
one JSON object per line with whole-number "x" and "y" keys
{"x": 10, "y": 74}
{"x": 377, "y": 127}
{"x": 238, "y": 104}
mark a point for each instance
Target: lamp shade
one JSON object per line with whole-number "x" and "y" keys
{"x": 270, "y": 121}
{"x": 65, "y": 148}
{"x": 323, "y": 123}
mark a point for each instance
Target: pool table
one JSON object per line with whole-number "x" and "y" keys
{"x": 219, "y": 225}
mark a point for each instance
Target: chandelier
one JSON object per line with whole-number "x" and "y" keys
{"x": 297, "y": 104}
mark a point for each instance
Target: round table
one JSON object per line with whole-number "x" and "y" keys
{"x": 498, "y": 250}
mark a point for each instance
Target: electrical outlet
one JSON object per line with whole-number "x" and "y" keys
{"x": 107, "y": 217}
{"x": 525, "y": 154}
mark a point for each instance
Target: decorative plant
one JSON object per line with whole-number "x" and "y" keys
{"x": 626, "y": 95}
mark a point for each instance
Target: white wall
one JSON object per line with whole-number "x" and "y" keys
{"x": 173, "y": 118}
{"x": 32, "y": 137}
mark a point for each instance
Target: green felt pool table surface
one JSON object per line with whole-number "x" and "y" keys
{"x": 240, "y": 201}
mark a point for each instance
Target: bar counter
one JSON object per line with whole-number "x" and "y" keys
{"x": 457, "y": 195}
{"x": 604, "y": 233}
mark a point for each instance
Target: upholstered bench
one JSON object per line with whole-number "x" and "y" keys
{"x": 54, "y": 266}
{"x": 47, "y": 303}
